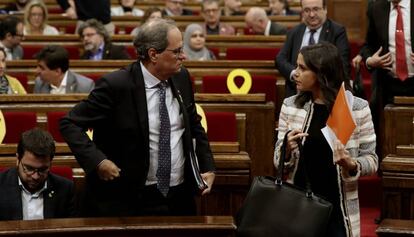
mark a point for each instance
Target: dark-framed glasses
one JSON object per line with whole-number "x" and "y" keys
{"x": 31, "y": 170}
{"x": 177, "y": 51}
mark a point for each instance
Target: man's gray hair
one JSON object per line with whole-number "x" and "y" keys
{"x": 98, "y": 26}
{"x": 153, "y": 34}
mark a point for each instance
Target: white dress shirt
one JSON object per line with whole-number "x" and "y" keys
{"x": 32, "y": 203}
{"x": 177, "y": 130}
{"x": 62, "y": 87}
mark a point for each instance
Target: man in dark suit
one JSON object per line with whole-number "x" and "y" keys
{"x": 54, "y": 76}
{"x": 11, "y": 35}
{"x": 257, "y": 20}
{"x": 28, "y": 191}
{"x": 380, "y": 51}
{"x": 145, "y": 128}
{"x": 315, "y": 24}
{"x": 97, "y": 42}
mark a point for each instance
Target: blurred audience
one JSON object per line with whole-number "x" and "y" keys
{"x": 232, "y": 8}
{"x": 35, "y": 20}
{"x": 11, "y": 35}
{"x": 195, "y": 44}
{"x": 260, "y": 24}
{"x": 84, "y": 10}
{"x": 14, "y": 7}
{"x": 176, "y": 8}
{"x": 280, "y": 7}
{"x": 97, "y": 42}
{"x": 211, "y": 12}
{"x": 54, "y": 76}
{"x": 150, "y": 14}
{"x": 8, "y": 84}
{"x": 127, "y": 7}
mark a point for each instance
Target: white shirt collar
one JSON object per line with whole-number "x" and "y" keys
{"x": 150, "y": 80}
{"x": 36, "y": 194}
{"x": 61, "y": 89}
{"x": 267, "y": 30}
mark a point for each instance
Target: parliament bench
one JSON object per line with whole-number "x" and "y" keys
{"x": 395, "y": 228}
{"x": 202, "y": 226}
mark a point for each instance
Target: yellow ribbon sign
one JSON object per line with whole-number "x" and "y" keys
{"x": 245, "y": 87}
{"x": 90, "y": 134}
{"x": 200, "y": 112}
{"x": 2, "y": 127}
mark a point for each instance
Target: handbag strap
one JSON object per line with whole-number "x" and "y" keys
{"x": 279, "y": 177}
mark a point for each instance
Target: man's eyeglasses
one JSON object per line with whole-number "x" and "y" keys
{"x": 177, "y": 51}
{"x": 30, "y": 170}
{"x": 313, "y": 10}
{"x": 88, "y": 35}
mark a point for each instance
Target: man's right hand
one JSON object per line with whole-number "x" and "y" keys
{"x": 384, "y": 61}
{"x": 107, "y": 170}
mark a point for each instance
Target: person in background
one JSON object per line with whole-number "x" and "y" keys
{"x": 11, "y": 35}
{"x": 195, "y": 44}
{"x": 280, "y": 8}
{"x": 54, "y": 76}
{"x": 83, "y": 10}
{"x": 332, "y": 172}
{"x": 8, "y": 84}
{"x": 97, "y": 42}
{"x": 14, "y": 7}
{"x": 29, "y": 191}
{"x": 145, "y": 128}
{"x": 150, "y": 14}
{"x": 315, "y": 27}
{"x": 35, "y": 20}
{"x": 176, "y": 8}
{"x": 211, "y": 12}
{"x": 260, "y": 24}
{"x": 232, "y": 8}
{"x": 126, "y": 8}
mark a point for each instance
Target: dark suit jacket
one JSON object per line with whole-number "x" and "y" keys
{"x": 57, "y": 198}
{"x": 117, "y": 111}
{"x": 286, "y": 59}
{"x": 111, "y": 51}
{"x": 277, "y": 29}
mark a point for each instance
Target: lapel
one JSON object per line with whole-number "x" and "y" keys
{"x": 298, "y": 42}
{"x": 70, "y": 82}
{"x": 14, "y": 194}
{"x": 49, "y": 199}
{"x": 383, "y": 22}
{"x": 140, "y": 99}
{"x": 325, "y": 32}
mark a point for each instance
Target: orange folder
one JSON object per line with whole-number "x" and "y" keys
{"x": 340, "y": 120}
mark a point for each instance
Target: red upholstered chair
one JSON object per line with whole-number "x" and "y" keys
{"x": 17, "y": 123}
{"x": 22, "y": 77}
{"x": 93, "y": 75}
{"x": 131, "y": 51}
{"x": 221, "y": 126}
{"x": 216, "y": 52}
{"x": 65, "y": 28}
{"x": 53, "y": 124}
{"x": 54, "y": 10}
{"x": 260, "y": 84}
{"x": 251, "y": 53}
{"x": 30, "y": 50}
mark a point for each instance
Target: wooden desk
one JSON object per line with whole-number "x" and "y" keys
{"x": 395, "y": 228}
{"x": 202, "y": 226}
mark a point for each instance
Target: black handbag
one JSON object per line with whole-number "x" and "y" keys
{"x": 275, "y": 208}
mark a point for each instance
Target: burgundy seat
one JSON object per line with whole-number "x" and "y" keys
{"x": 17, "y": 123}
{"x": 240, "y": 53}
{"x": 221, "y": 126}
{"x": 22, "y": 77}
{"x": 30, "y": 50}
{"x": 260, "y": 84}
{"x": 53, "y": 124}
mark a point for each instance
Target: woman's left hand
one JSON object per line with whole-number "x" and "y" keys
{"x": 342, "y": 157}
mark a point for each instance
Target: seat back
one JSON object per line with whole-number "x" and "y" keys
{"x": 30, "y": 50}
{"x": 260, "y": 84}
{"x": 222, "y": 126}
{"x": 53, "y": 124}
{"x": 17, "y": 123}
{"x": 241, "y": 53}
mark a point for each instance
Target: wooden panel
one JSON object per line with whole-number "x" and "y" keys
{"x": 202, "y": 226}
{"x": 351, "y": 14}
{"x": 395, "y": 228}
